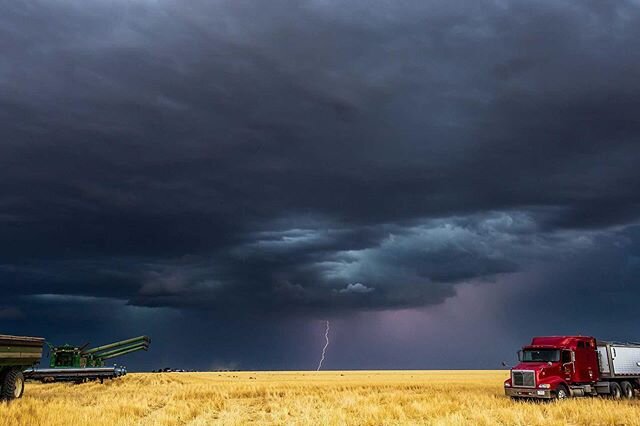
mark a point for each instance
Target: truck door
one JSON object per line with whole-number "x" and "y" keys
{"x": 568, "y": 367}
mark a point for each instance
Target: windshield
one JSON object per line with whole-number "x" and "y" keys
{"x": 64, "y": 359}
{"x": 540, "y": 355}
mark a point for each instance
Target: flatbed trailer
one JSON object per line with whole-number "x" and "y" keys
{"x": 16, "y": 354}
{"x": 76, "y": 375}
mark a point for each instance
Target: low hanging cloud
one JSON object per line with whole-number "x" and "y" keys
{"x": 328, "y": 269}
{"x": 356, "y": 288}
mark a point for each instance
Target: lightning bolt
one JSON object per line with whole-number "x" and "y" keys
{"x": 326, "y": 345}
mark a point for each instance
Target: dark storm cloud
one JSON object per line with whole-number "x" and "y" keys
{"x": 278, "y": 156}
{"x": 601, "y": 278}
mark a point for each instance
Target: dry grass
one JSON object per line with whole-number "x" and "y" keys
{"x": 303, "y": 398}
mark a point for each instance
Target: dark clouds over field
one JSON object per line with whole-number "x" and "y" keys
{"x": 238, "y": 170}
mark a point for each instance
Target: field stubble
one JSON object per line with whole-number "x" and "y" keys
{"x": 303, "y": 398}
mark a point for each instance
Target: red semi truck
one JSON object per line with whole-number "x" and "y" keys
{"x": 557, "y": 367}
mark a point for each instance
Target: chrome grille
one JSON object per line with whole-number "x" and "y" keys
{"x": 525, "y": 379}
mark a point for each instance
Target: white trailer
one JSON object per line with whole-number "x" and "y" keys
{"x": 618, "y": 359}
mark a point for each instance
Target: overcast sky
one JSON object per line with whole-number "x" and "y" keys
{"x": 439, "y": 179}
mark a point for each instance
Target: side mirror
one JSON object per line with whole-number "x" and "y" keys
{"x": 573, "y": 356}
{"x": 519, "y": 355}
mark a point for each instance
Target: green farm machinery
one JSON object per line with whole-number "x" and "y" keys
{"x": 16, "y": 354}
{"x": 79, "y": 364}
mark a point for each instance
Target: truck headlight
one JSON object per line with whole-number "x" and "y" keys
{"x": 544, "y": 386}
{"x": 507, "y": 385}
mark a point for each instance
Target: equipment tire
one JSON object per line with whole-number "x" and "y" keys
{"x": 12, "y": 385}
{"x": 562, "y": 392}
{"x": 627, "y": 390}
{"x": 615, "y": 392}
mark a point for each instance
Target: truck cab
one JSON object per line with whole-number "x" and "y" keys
{"x": 555, "y": 367}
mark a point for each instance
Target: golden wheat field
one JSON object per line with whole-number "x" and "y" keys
{"x": 303, "y": 398}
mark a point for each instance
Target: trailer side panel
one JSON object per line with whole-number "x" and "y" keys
{"x": 625, "y": 360}
{"x": 603, "y": 361}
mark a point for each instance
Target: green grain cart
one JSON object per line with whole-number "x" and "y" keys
{"x": 16, "y": 354}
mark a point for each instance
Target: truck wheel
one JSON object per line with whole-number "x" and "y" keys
{"x": 614, "y": 391}
{"x": 562, "y": 392}
{"x": 627, "y": 390}
{"x": 12, "y": 385}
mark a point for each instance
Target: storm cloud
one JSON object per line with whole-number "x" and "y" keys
{"x": 314, "y": 158}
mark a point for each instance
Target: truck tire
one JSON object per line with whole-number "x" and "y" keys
{"x": 12, "y": 385}
{"x": 615, "y": 392}
{"x": 562, "y": 392}
{"x": 627, "y": 390}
